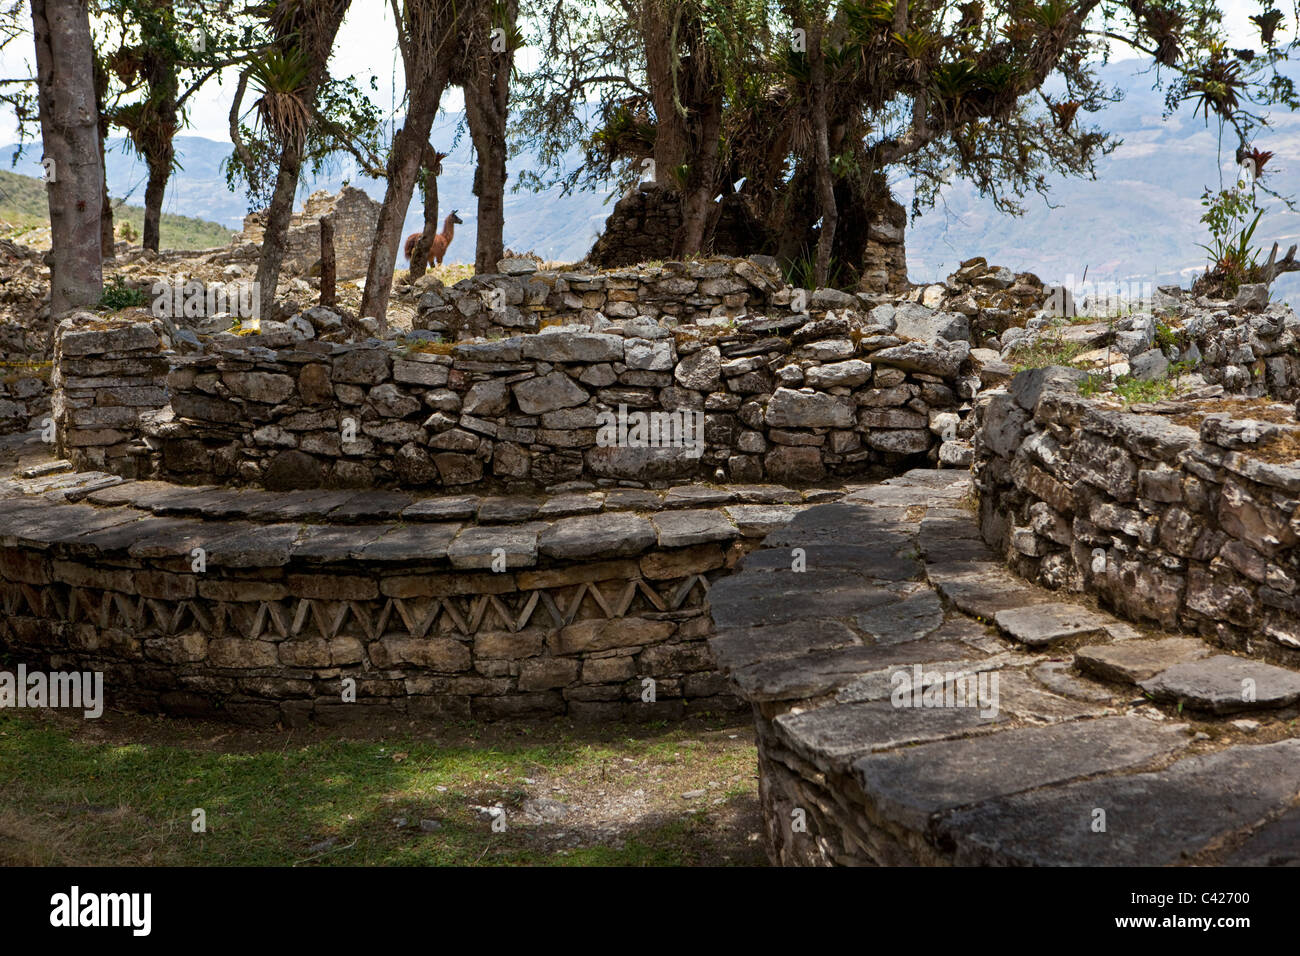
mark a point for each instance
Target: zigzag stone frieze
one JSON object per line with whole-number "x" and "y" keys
{"x": 273, "y": 607}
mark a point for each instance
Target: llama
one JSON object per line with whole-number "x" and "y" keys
{"x": 437, "y": 248}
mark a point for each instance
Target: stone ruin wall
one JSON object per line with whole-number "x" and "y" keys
{"x": 354, "y": 215}
{"x": 1177, "y": 515}
{"x": 24, "y": 340}
{"x": 789, "y": 399}
{"x": 523, "y": 299}
{"x": 576, "y": 623}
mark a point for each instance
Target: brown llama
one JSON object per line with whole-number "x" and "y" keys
{"x": 437, "y": 248}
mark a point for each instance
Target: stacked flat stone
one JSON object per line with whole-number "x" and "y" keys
{"x": 592, "y": 605}
{"x": 1087, "y": 714}
{"x": 790, "y": 399}
{"x": 109, "y": 374}
{"x": 1180, "y": 514}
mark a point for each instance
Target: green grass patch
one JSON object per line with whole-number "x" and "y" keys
{"x": 117, "y": 295}
{"x": 1133, "y": 391}
{"x": 1045, "y": 351}
{"x": 89, "y": 793}
{"x": 25, "y": 218}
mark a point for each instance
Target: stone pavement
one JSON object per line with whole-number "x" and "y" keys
{"x": 916, "y": 703}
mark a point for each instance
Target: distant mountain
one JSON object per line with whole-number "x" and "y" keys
{"x": 25, "y": 218}
{"x": 1138, "y": 221}
{"x": 554, "y": 226}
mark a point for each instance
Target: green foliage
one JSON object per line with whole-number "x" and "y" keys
{"x": 1093, "y": 385}
{"x": 1046, "y": 350}
{"x": 1133, "y": 391}
{"x": 1233, "y": 258}
{"x": 118, "y": 296}
{"x": 802, "y": 271}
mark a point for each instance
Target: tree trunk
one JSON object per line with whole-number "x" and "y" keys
{"x": 160, "y": 169}
{"x": 420, "y": 254}
{"x": 328, "y": 270}
{"x": 487, "y": 99}
{"x": 688, "y": 114}
{"x": 276, "y": 228}
{"x": 821, "y": 147}
{"x": 672, "y": 146}
{"x": 698, "y": 207}
{"x": 70, "y": 132}
{"x": 106, "y": 238}
{"x": 403, "y": 165}
{"x": 318, "y": 43}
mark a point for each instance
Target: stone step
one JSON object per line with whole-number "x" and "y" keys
{"x": 1224, "y": 684}
{"x": 1043, "y": 624}
{"x": 1131, "y": 662}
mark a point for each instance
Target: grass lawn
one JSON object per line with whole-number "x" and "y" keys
{"x": 121, "y": 791}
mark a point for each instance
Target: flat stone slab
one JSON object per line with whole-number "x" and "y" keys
{"x": 775, "y": 597}
{"x": 323, "y": 544}
{"x": 1129, "y": 662}
{"x": 755, "y": 521}
{"x": 735, "y": 647}
{"x": 1056, "y": 677}
{"x": 983, "y": 589}
{"x": 507, "y": 509}
{"x": 766, "y": 494}
{"x": 129, "y": 493}
{"x": 914, "y": 784}
{"x": 48, "y": 527}
{"x": 909, "y": 619}
{"x": 697, "y": 496}
{"x": 452, "y": 508}
{"x": 372, "y": 506}
{"x": 836, "y": 734}
{"x": 410, "y": 543}
{"x": 172, "y": 538}
{"x": 477, "y": 548}
{"x": 593, "y": 537}
{"x": 959, "y": 680}
{"x": 1224, "y": 684}
{"x": 1274, "y": 844}
{"x": 565, "y": 506}
{"x": 822, "y": 672}
{"x": 840, "y": 524}
{"x": 1043, "y": 624}
{"x": 1151, "y": 819}
{"x": 312, "y": 505}
{"x": 632, "y": 499}
{"x": 681, "y": 529}
{"x": 248, "y": 545}
{"x": 1023, "y": 697}
{"x": 894, "y": 559}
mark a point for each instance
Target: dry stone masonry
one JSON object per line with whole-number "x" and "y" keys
{"x": 841, "y": 388}
{"x": 1180, "y": 514}
{"x": 354, "y": 215}
{"x": 314, "y": 521}
{"x": 261, "y": 606}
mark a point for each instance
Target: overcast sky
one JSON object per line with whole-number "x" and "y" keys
{"x": 366, "y": 47}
